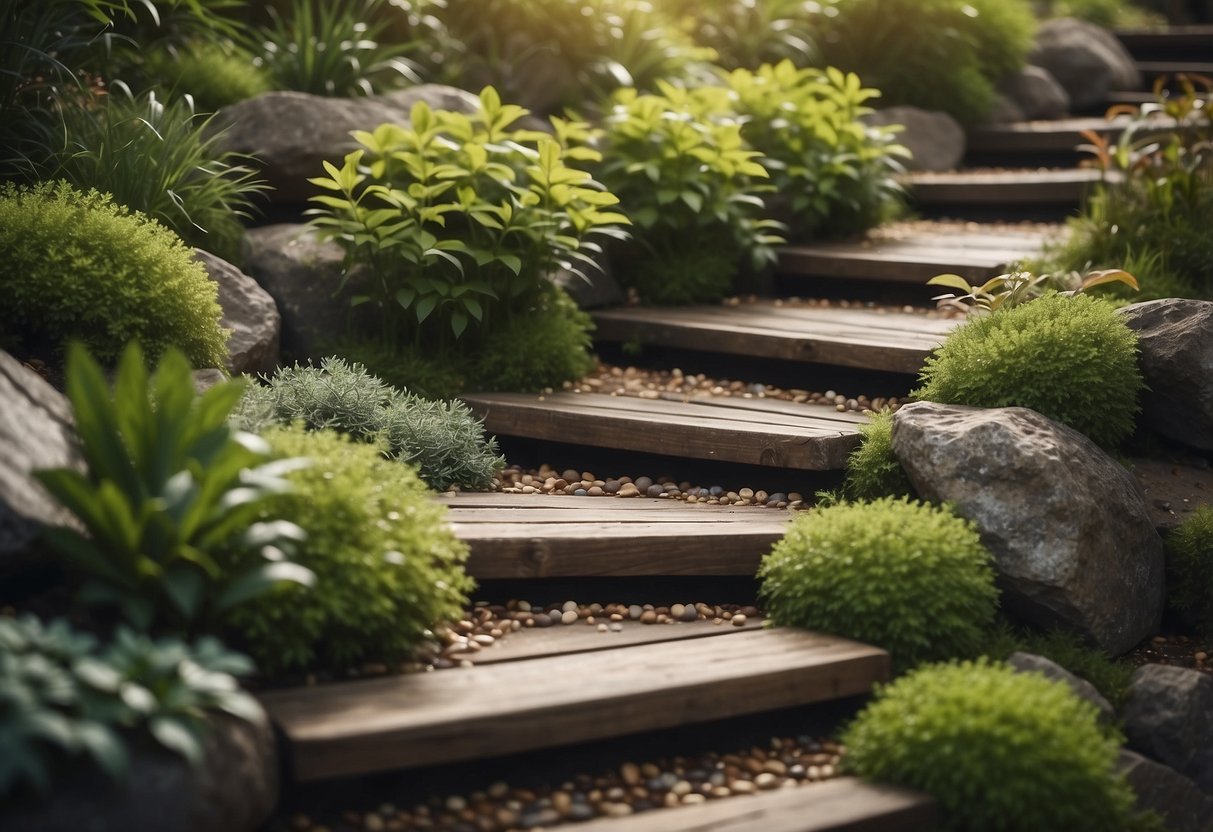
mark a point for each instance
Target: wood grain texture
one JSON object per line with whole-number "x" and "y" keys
{"x": 730, "y": 429}
{"x": 866, "y": 339}
{"x": 843, "y": 805}
{"x": 1010, "y": 187}
{"x": 422, "y": 719}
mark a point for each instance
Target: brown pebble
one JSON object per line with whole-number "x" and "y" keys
{"x": 739, "y": 620}
{"x": 766, "y": 780}
{"x": 648, "y": 617}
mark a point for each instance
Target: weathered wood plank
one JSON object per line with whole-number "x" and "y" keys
{"x": 754, "y": 431}
{"x": 1007, "y": 187}
{"x": 1171, "y": 39}
{"x": 895, "y": 342}
{"x": 1053, "y": 136}
{"x": 422, "y": 719}
{"x": 843, "y": 805}
{"x": 1152, "y": 69}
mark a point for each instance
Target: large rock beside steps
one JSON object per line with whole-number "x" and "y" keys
{"x": 1182, "y": 806}
{"x": 1175, "y": 337}
{"x": 1071, "y": 536}
{"x": 1036, "y": 93}
{"x": 249, "y": 312}
{"x": 1051, "y": 670}
{"x": 1167, "y": 717}
{"x": 1086, "y": 60}
{"x": 935, "y": 138}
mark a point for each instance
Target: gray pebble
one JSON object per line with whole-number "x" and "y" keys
{"x": 643, "y": 482}
{"x": 580, "y": 492}
{"x": 654, "y": 491}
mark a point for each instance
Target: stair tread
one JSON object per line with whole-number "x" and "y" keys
{"x": 729, "y": 429}
{"x": 832, "y": 806}
{"x": 543, "y": 536}
{"x": 421, "y": 719}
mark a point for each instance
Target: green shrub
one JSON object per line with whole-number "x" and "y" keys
{"x": 1190, "y": 568}
{"x": 1110, "y": 676}
{"x": 157, "y": 158}
{"x": 833, "y": 174}
{"x": 872, "y": 469}
{"x": 691, "y": 187}
{"x": 77, "y": 266}
{"x": 998, "y": 750}
{"x": 62, "y": 699}
{"x": 1109, "y": 14}
{"x": 442, "y": 440}
{"x": 908, "y": 577}
{"x": 387, "y": 567}
{"x": 935, "y": 54}
{"x": 1070, "y": 358}
{"x": 747, "y": 34}
{"x": 214, "y": 74}
{"x": 422, "y": 372}
{"x": 169, "y": 497}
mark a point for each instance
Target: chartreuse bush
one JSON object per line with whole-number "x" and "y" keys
{"x": 169, "y": 504}
{"x": 77, "y": 266}
{"x": 1070, "y": 358}
{"x": 214, "y": 74}
{"x": 1190, "y": 568}
{"x": 909, "y": 577}
{"x": 745, "y": 34}
{"x": 387, "y": 567}
{"x": 64, "y": 699}
{"x": 444, "y": 441}
{"x": 999, "y": 751}
{"x": 936, "y": 54}
{"x": 872, "y": 468}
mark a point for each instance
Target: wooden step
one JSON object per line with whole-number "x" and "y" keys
{"x": 1050, "y": 187}
{"x": 543, "y": 536}
{"x": 729, "y": 429}
{"x": 560, "y": 698}
{"x": 863, "y": 338}
{"x": 1153, "y": 69}
{"x": 1175, "y": 40}
{"x": 1042, "y": 137}
{"x": 843, "y": 805}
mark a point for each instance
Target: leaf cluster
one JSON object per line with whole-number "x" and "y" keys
{"x": 63, "y": 698}
{"x": 168, "y": 502}
{"x": 935, "y": 54}
{"x": 746, "y": 34}
{"x": 833, "y": 174}
{"x": 1012, "y": 289}
{"x": 459, "y": 218}
{"x": 388, "y": 569}
{"x": 77, "y": 266}
{"x": 1190, "y": 568}
{"x": 872, "y": 468}
{"x": 214, "y": 74}
{"x": 1071, "y": 359}
{"x": 998, "y": 750}
{"x": 906, "y": 576}
{"x": 444, "y": 441}
{"x": 159, "y": 159}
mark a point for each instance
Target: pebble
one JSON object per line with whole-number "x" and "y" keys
{"x": 739, "y": 620}
{"x": 569, "y": 617}
{"x": 766, "y": 780}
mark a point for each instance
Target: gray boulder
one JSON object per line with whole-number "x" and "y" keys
{"x": 249, "y": 312}
{"x": 206, "y": 379}
{"x": 303, "y": 276}
{"x": 936, "y": 139}
{"x": 36, "y": 431}
{"x": 1071, "y": 536}
{"x": 1086, "y": 60}
{"x": 1175, "y": 337}
{"x": 1051, "y": 670}
{"x": 1182, "y": 806}
{"x": 1005, "y": 111}
{"x": 1167, "y": 717}
{"x": 292, "y": 133}
{"x": 1036, "y": 92}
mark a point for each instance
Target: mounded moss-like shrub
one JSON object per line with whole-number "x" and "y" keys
{"x": 998, "y": 750}
{"x": 872, "y": 469}
{"x": 387, "y": 566}
{"x": 443, "y": 440}
{"x": 1190, "y": 568}
{"x": 906, "y": 576}
{"x": 215, "y": 74}
{"x": 545, "y": 347}
{"x": 1070, "y": 358}
{"x": 78, "y": 267}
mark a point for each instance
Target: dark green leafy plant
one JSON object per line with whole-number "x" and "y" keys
{"x": 1190, "y": 568}
{"x": 214, "y": 74}
{"x": 1109, "y": 14}
{"x": 998, "y": 750}
{"x": 62, "y": 699}
{"x": 909, "y": 577}
{"x": 692, "y": 188}
{"x": 1069, "y": 358}
{"x": 77, "y": 266}
{"x": 168, "y": 503}
{"x": 388, "y": 569}
{"x": 442, "y": 440}
{"x": 833, "y": 174}
{"x": 158, "y": 159}
{"x": 872, "y": 469}
{"x": 934, "y": 54}
{"x": 749, "y": 33}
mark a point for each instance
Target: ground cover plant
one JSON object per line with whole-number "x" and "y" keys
{"x": 388, "y": 569}
{"x": 444, "y": 441}
{"x": 872, "y": 469}
{"x": 1069, "y": 358}
{"x": 214, "y": 74}
{"x": 1190, "y": 569}
{"x": 906, "y": 576}
{"x": 166, "y": 509}
{"x": 78, "y": 266}
{"x": 749, "y": 34}
{"x": 997, "y": 749}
